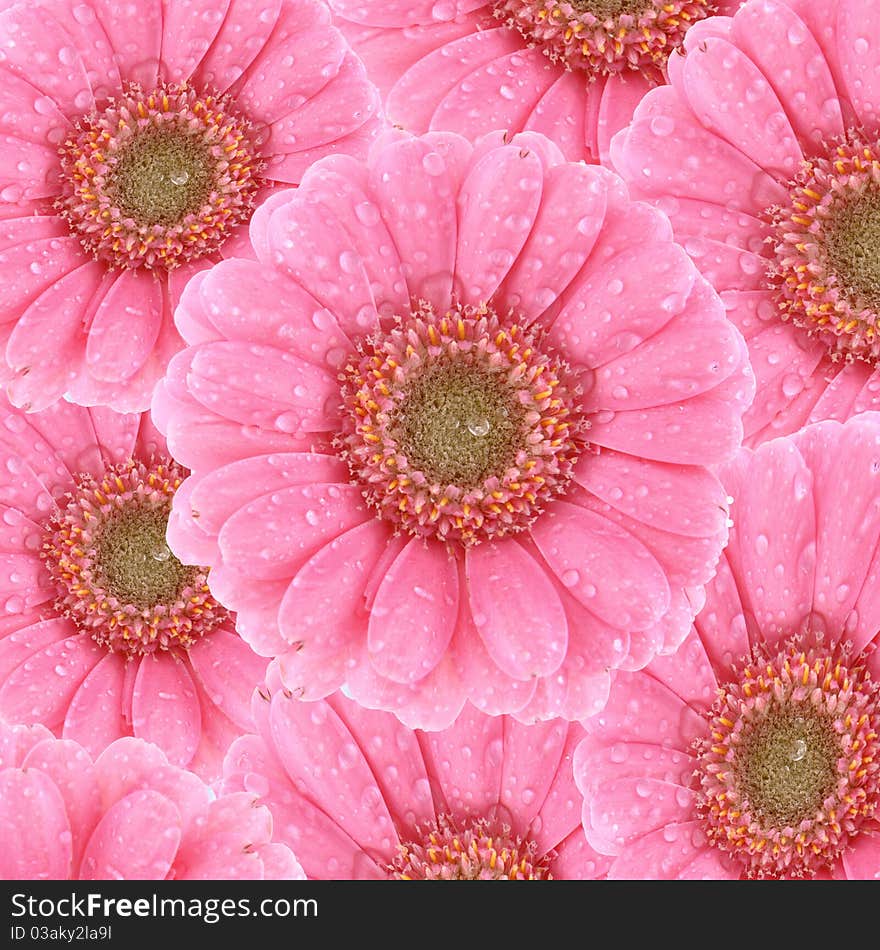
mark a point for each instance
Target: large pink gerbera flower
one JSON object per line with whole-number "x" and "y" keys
{"x": 135, "y": 140}
{"x": 765, "y": 153}
{"x": 103, "y": 632}
{"x": 358, "y": 795}
{"x": 755, "y": 750}
{"x": 573, "y": 70}
{"x": 448, "y": 432}
{"x": 126, "y": 814}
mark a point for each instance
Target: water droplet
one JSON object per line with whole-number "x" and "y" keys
{"x": 479, "y": 428}
{"x": 799, "y": 750}
{"x": 162, "y": 553}
{"x": 179, "y": 177}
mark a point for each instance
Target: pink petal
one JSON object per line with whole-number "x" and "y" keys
{"x": 397, "y": 13}
{"x": 125, "y": 326}
{"x": 294, "y": 523}
{"x": 263, "y": 386}
{"x": 188, "y": 29}
{"x": 303, "y": 30}
{"x": 414, "y": 98}
{"x": 413, "y": 615}
{"x": 702, "y": 358}
{"x": 577, "y": 861}
{"x": 165, "y": 707}
{"x": 686, "y": 500}
{"x": 70, "y": 769}
{"x": 321, "y": 755}
{"x": 30, "y": 169}
{"x": 244, "y": 300}
{"x": 136, "y": 41}
{"x": 857, "y": 22}
{"x": 136, "y": 839}
{"x": 243, "y": 34}
{"x": 678, "y": 851}
{"x": 625, "y": 809}
{"x": 394, "y": 755}
{"x": 95, "y": 716}
{"x": 316, "y": 252}
{"x": 326, "y": 602}
{"x": 228, "y": 671}
{"x": 41, "y": 38}
{"x": 731, "y": 97}
{"x": 713, "y": 431}
{"x": 41, "y": 688}
{"x": 465, "y": 761}
{"x": 772, "y": 33}
{"x": 34, "y": 828}
{"x": 349, "y": 99}
{"x": 599, "y": 321}
{"x": 407, "y": 177}
{"x": 603, "y": 566}
{"x": 561, "y": 115}
{"x": 532, "y": 756}
{"x": 569, "y": 220}
{"x": 847, "y": 517}
{"x": 222, "y": 492}
{"x": 688, "y": 673}
{"x": 500, "y": 94}
{"x": 721, "y": 624}
{"x": 777, "y": 528}
{"x": 683, "y": 157}
{"x": 47, "y": 340}
{"x": 516, "y": 609}
{"x": 620, "y": 96}
{"x": 29, "y": 635}
{"x": 862, "y": 861}
{"x": 131, "y": 765}
{"x": 341, "y": 187}
{"x": 509, "y": 180}
{"x": 642, "y": 709}
{"x": 256, "y": 605}
{"x": 27, "y": 114}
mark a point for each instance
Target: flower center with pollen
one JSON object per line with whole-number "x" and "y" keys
{"x": 460, "y": 425}
{"x": 602, "y": 37}
{"x": 826, "y": 244}
{"x": 468, "y": 851}
{"x": 116, "y": 576}
{"x": 156, "y": 179}
{"x": 790, "y": 773}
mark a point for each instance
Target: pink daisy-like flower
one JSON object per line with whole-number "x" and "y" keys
{"x": 103, "y": 632}
{"x": 765, "y": 152}
{"x": 136, "y": 141}
{"x": 755, "y": 750}
{"x": 449, "y": 433}
{"x": 358, "y": 795}
{"x": 125, "y": 814}
{"x": 571, "y": 69}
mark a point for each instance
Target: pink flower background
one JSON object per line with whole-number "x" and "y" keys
{"x": 436, "y": 439}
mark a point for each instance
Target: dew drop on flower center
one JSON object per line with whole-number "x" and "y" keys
{"x": 156, "y": 178}
{"x": 789, "y": 773}
{"x": 459, "y": 425}
{"x": 115, "y": 575}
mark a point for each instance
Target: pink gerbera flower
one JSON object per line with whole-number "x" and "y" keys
{"x": 438, "y": 450}
{"x": 135, "y": 142}
{"x": 573, "y": 69}
{"x": 765, "y": 153}
{"x": 755, "y": 750}
{"x": 126, "y": 814}
{"x": 358, "y": 795}
{"x": 104, "y": 633}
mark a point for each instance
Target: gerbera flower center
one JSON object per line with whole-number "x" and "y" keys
{"x": 601, "y": 37}
{"x": 155, "y": 179}
{"x": 115, "y": 574}
{"x": 790, "y": 773}
{"x": 826, "y": 269}
{"x": 459, "y": 425}
{"x": 468, "y": 851}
